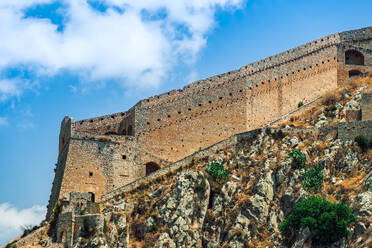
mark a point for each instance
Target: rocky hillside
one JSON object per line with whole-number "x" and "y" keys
{"x": 239, "y": 197}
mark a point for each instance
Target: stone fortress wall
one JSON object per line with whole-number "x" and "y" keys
{"x": 100, "y": 154}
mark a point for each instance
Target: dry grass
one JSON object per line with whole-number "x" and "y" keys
{"x": 354, "y": 183}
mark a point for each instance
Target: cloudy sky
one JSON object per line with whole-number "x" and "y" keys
{"x": 85, "y": 58}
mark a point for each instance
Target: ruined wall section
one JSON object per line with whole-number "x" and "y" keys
{"x": 366, "y": 106}
{"x": 350, "y": 130}
{"x": 345, "y": 69}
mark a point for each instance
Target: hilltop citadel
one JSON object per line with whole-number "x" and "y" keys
{"x": 102, "y": 154}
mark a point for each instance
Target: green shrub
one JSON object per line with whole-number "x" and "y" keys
{"x": 268, "y": 131}
{"x": 328, "y": 222}
{"x": 298, "y": 158}
{"x": 217, "y": 171}
{"x": 313, "y": 179}
{"x": 367, "y": 186}
{"x": 363, "y": 142}
{"x": 300, "y": 104}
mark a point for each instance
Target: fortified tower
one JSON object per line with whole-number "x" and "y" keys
{"x": 101, "y": 154}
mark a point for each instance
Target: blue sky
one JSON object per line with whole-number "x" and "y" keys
{"x": 89, "y": 58}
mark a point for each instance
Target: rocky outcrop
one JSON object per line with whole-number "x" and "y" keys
{"x": 183, "y": 211}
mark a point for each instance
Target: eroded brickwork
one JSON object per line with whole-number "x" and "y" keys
{"x": 104, "y": 153}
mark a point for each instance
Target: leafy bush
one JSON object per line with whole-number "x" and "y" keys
{"x": 300, "y": 104}
{"x": 328, "y": 222}
{"x": 217, "y": 171}
{"x": 313, "y": 179}
{"x": 363, "y": 142}
{"x": 299, "y": 158}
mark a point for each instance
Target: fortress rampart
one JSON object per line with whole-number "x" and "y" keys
{"x": 104, "y": 153}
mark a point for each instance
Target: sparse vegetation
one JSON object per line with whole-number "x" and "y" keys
{"x": 300, "y": 104}
{"x": 28, "y": 229}
{"x": 268, "y": 131}
{"x": 367, "y": 186}
{"x": 217, "y": 171}
{"x": 298, "y": 159}
{"x": 278, "y": 135}
{"x": 313, "y": 179}
{"x": 328, "y": 222}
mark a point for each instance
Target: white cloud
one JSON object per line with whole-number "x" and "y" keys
{"x": 9, "y": 88}
{"x": 12, "y": 220}
{"x": 137, "y": 41}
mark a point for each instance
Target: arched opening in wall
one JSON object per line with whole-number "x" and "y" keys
{"x": 353, "y": 57}
{"x": 130, "y": 130}
{"x": 124, "y": 132}
{"x": 354, "y": 73}
{"x": 92, "y": 197}
{"x": 151, "y": 167}
{"x": 63, "y": 237}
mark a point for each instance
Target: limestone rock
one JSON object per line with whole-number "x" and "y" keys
{"x": 301, "y": 238}
{"x": 184, "y": 209}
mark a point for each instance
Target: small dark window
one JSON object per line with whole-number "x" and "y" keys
{"x": 124, "y": 156}
{"x": 354, "y": 73}
{"x": 92, "y": 197}
{"x": 90, "y": 174}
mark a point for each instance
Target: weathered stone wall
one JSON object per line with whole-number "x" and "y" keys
{"x": 366, "y": 106}
{"x": 66, "y": 132}
{"x": 85, "y": 222}
{"x": 101, "y": 125}
{"x": 350, "y": 130}
{"x": 65, "y": 228}
{"x": 168, "y": 127}
{"x": 58, "y": 178}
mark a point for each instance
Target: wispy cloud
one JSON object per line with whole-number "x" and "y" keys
{"x": 9, "y": 88}
{"x": 132, "y": 41}
{"x": 12, "y": 220}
